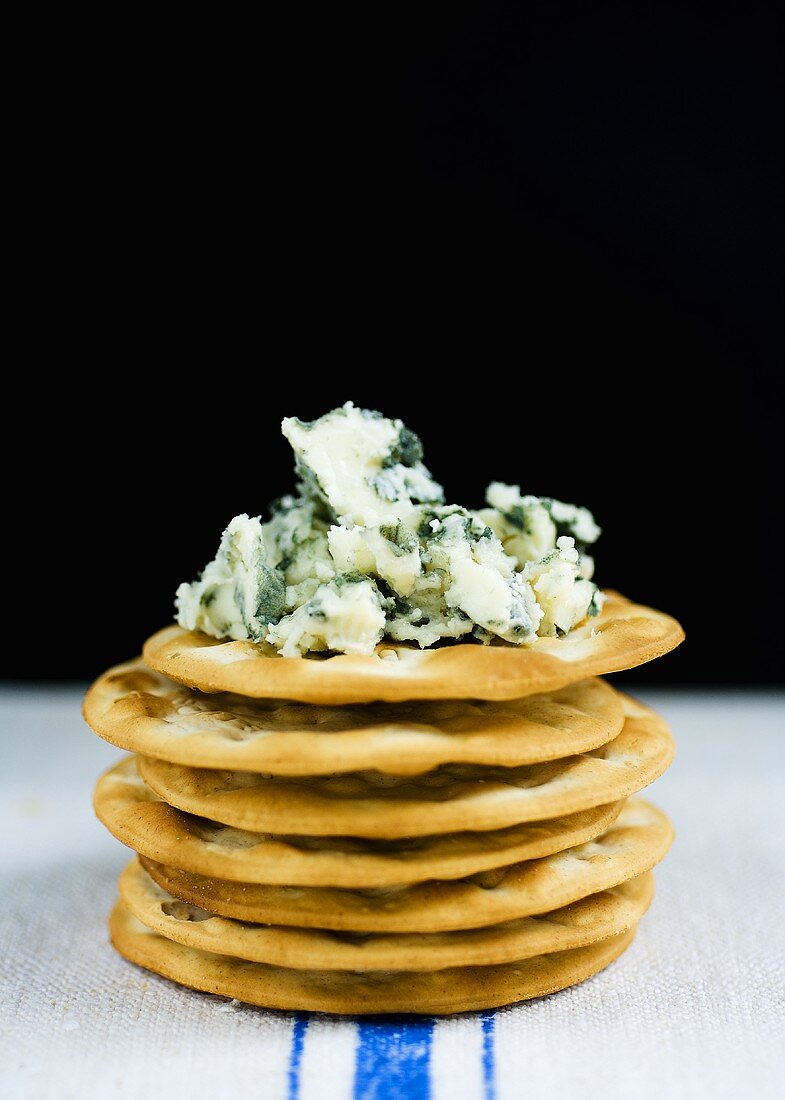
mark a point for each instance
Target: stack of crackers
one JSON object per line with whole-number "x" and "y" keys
{"x": 419, "y": 831}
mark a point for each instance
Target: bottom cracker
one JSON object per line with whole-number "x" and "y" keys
{"x": 458, "y": 989}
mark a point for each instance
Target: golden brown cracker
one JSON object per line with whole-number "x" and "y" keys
{"x": 637, "y": 840}
{"x": 452, "y": 798}
{"x": 137, "y": 817}
{"x": 624, "y": 635}
{"x": 457, "y": 989}
{"x": 593, "y": 918}
{"x": 145, "y": 712}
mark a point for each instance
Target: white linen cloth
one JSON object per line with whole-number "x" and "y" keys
{"x": 695, "y": 1008}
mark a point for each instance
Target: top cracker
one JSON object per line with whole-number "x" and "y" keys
{"x": 624, "y": 635}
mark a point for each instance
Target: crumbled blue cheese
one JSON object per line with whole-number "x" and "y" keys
{"x": 425, "y": 617}
{"x": 562, "y": 594}
{"x": 292, "y": 524}
{"x": 366, "y": 550}
{"x": 574, "y": 521}
{"x": 237, "y": 595}
{"x": 296, "y": 541}
{"x": 344, "y": 615}
{"x": 362, "y": 467}
{"x": 529, "y": 526}
{"x": 480, "y": 578}
{"x": 391, "y": 552}
{"x": 522, "y": 523}
{"x": 579, "y": 524}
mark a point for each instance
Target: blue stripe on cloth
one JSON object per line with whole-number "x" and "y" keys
{"x": 488, "y": 1020}
{"x": 393, "y": 1060}
{"x": 299, "y": 1029}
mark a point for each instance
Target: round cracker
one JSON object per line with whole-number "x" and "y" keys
{"x": 137, "y": 817}
{"x": 145, "y": 712}
{"x": 593, "y": 918}
{"x": 622, "y": 636}
{"x": 452, "y": 798}
{"x": 458, "y": 989}
{"x": 637, "y": 841}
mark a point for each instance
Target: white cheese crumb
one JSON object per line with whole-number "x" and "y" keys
{"x": 363, "y": 467}
{"x": 344, "y": 615}
{"x": 237, "y": 594}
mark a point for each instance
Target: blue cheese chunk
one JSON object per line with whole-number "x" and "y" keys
{"x": 292, "y": 523}
{"x": 483, "y": 583}
{"x": 361, "y": 467}
{"x": 576, "y": 522}
{"x": 345, "y": 615}
{"x": 238, "y": 594}
{"x": 391, "y": 552}
{"x": 522, "y": 523}
{"x": 296, "y": 540}
{"x": 425, "y": 618}
{"x": 564, "y": 596}
{"x": 579, "y": 524}
{"x": 529, "y": 526}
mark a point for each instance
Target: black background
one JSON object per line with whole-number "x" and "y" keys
{"x": 546, "y": 236}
